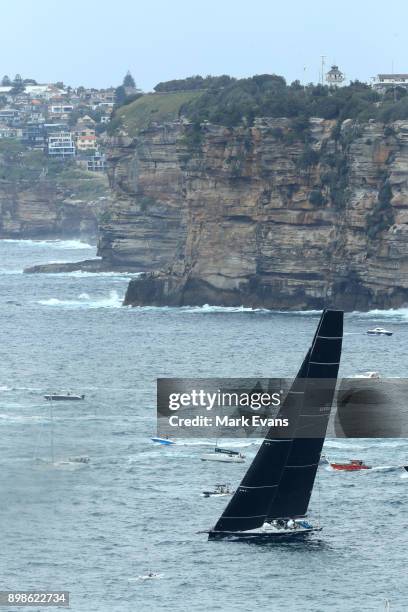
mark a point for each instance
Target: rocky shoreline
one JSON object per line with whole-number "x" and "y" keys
{"x": 161, "y": 290}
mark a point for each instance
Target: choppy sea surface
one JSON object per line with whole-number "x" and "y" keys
{"x": 137, "y": 507}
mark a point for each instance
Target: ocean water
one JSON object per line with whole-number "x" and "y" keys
{"x": 137, "y": 507}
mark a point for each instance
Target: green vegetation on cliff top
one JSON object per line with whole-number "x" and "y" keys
{"x": 230, "y": 102}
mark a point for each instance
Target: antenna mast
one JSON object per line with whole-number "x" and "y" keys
{"x": 322, "y": 76}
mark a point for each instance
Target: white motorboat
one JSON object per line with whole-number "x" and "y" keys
{"x": 72, "y": 462}
{"x": 220, "y": 490}
{"x": 379, "y": 331}
{"x": 148, "y": 576}
{"x": 225, "y": 455}
{"x": 64, "y": 397}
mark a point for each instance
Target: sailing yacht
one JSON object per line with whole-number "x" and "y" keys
{"x": 225, "y": 455}
{"x": 71, "y": 462}
{"x": 273, "y": 497}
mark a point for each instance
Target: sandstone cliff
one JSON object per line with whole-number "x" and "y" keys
{"x": 52, "y": 207}
{"x": 255, "y": 216}
{"x": 146, "y": 224}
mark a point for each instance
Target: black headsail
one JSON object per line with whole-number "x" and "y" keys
{"x": 292, "y": 497}
{"x": 252, "y": 501}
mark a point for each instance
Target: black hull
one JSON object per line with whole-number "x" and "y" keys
{"x": 265, "y": 537}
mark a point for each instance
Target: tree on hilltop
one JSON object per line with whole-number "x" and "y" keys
{"x": 6, "y": 82}
{"x": 129, "y": 81}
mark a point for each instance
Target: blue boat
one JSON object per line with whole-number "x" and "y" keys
{"x": 164, "y": 441}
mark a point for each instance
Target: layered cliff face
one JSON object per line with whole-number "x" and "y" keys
{"x": 145, "y": 227}
{"x": 255, "y": 216}
{"x": 47, "y": 207}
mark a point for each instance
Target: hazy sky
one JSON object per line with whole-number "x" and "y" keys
{"x": 94, "y": 42}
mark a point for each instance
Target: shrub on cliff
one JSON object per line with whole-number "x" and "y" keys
{"x": 194, "y": 82}
{"x": 382, "y": 215}
{"x": 309, "y": 157}
{"x": 316, "y": 198}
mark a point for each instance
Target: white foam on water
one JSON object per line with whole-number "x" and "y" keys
{"x": 243, "y": 443}
{"x": 346, "y": 443}
{"x": 86, "y": 301}
{"x": 206, "y": 309}
{"x": 397, "y": 314}
{"x": 303, "y": 313}
{"x": 56, "y": 244}
{"x": 10, "y": 272}
{"x": 23, "y": 419}
{"x": 384, "y": 468}
{"x": 365, "y": 442}
{"x": 83, "y": 273}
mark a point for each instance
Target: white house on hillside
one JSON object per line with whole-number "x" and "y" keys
{"x": 61, "y": 145}
{"x": 382, "y": 82}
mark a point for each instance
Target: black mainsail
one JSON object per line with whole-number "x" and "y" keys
{"x": 274, "y": 478}
{"x": 296, "y": 484}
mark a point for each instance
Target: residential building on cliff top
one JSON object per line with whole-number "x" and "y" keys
{"x": 86, "y": 139}
{"x": 382, "y": 82}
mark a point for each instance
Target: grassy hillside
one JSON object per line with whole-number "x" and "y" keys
{"x": 150, "y": 108}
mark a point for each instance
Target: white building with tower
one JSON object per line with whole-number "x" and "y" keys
{"x": 335, "y": 76}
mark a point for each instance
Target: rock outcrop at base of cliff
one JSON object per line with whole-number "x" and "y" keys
{"x": 160, "y": 290}
{"x": 269, "y": 220}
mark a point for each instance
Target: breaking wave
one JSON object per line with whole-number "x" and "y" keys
{"x": 392, "y": 314}
{"x": 83, "y": 273}
{"x": 206, "y": 309}
{"x": 56, "y": 244}
{"x": 210, "y": 309}
{"x": 84, "y": 300}
{"x": 12, "y": 272}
